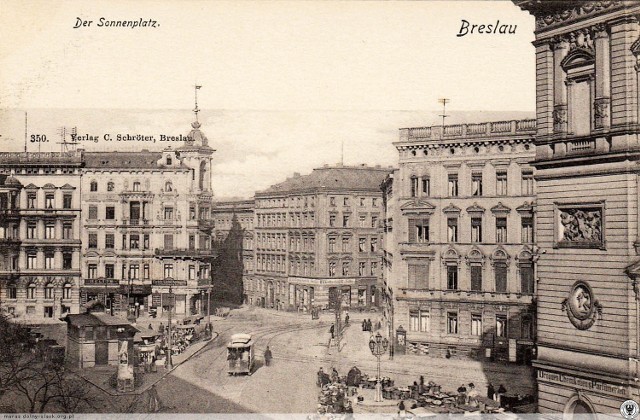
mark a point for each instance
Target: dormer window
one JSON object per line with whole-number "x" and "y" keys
{"x": 169, "y": 160}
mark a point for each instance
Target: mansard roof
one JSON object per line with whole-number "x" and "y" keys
{"x": 336, "y": 178}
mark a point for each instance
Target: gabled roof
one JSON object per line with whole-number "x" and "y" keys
{"x": 358, "y": 178}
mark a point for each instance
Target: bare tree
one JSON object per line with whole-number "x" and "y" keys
{"x": 24, "y": 372}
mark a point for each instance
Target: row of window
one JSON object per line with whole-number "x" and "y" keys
{"x": 280, "y": 219}
{"x": 49, "y": 200}
{"x": 421, "y": 186}
{"x": 346, "y": 268}
{"x": 139, "y": 210}
{"x": 346, "y": 201}
{"x": 137, "y": 241}
{"x": 133, "y": 271}
{"x": 420, "y": 321}
{"x": 261, "y": 285}
{"x": 48, "y": 291}
{"x": 306, "y": 201}
{"x": 418, "y": 276}
{"x": 49, "y": 261}
{"x": 49, "y": 230}
{"x": 346, "y": 220}
{"x": 346, "y": 244}
{"x": 272, "y": 263}
{"x": 419, "y": 230}
{"x": 93, "y": 185}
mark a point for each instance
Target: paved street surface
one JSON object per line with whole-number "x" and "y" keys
{"x": 300, "y": 347}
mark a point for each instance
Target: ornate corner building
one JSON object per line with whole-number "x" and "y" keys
{"x": 458, "y": 270}
{"x": 318, "y": 235}
{"x": 587, "y": 153}
{"x": 146, "y": 227}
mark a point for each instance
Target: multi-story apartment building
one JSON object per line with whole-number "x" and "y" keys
{"x": 458, "y": 254}
{"x": 40, "y": 234}
{"x": 588, "y": 181}
{"x": 317, "y": 235}
{"x": 233, "y": 239}
{"x": 146, "y": 227}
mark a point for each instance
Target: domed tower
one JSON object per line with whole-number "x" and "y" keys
{"x": 197, "y": 155}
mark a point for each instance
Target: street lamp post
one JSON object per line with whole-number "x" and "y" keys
{"x": 378, "y": 346}
{"x": 169, "y": 346}
{"x": 209, "y": 306}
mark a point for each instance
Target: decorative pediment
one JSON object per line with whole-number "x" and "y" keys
{"x": 475, "y": 255}
{"x": 417, "y": 205}
{"x": 451, "y": 209}
{"x": 526, "y": 255}
{"x": 475, "y": 209}
{"x": 525, "y": 208}
{"x": 67, "y": 187}
{"x": 31, "y": 186}
{"x": 635, "y": 47}
{"x": 500, "y": 255}
{"x": 578, "y": 57}
{"x": 48, "y": 186}
{"x": 500, "y": 208}
{"x": 451, "y": 255}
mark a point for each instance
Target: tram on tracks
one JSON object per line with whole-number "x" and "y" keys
{"x": 240, "y": 356}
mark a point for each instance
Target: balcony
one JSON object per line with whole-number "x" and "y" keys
{"x": 126, "y": 222}
{"x": 185, "y": 253}
{"x": 466, "y": 296}
{"x": 9, "y": 215}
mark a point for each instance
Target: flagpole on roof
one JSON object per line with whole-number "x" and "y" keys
{"x": 196, "y": 109}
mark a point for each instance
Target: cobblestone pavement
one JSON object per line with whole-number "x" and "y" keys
{"x": 300, "y": 347}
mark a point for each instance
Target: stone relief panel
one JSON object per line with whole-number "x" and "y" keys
{"x": 580, "y": 225}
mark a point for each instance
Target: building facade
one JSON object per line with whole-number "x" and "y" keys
{"x": 318, "y": 235}
{"x": 458, "y": 272}
{"x": 146, "y": 227}
{"x": 40, "y": 229}
{"x": 587, "y": 152}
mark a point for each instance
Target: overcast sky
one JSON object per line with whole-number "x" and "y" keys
{"x": 284, "y": 84}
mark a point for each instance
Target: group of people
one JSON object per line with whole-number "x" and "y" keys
{"x": 368, "y": 326}
{"x": 492, "y": 394}
{"x": 467, "y": 395}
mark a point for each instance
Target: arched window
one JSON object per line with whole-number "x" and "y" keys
{"x": 110, "y": 186}
{"x": 93, "y": 186}
{"x": 31, "y": 291}
{"x": 48, "y": 291}
{"x": 168, "y": 186}
{"x": 66, "y": 291}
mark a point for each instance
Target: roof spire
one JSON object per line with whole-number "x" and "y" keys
{"x": 196, "y": 109}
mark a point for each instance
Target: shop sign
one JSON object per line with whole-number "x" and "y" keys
{"x": 135, "y": 289}
{"x": 169, "y": 282}
{"x": 582, "y": 383}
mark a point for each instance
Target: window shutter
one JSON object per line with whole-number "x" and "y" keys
{"x": 423, "y": 276}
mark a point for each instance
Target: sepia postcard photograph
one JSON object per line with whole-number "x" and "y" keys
{"x": 320, "y": 209}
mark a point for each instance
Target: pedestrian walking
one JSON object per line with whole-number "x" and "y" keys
{"x": 150, "y": 327}
{"x": 402, "y": 411}
{"x": 153, "y": 403}
{"x": 346, "y": 319}
{"x": 267, "y": 356}
{"x": 161, "y": 328}
{"x": 320, "y": 375}
{"x": 501, "y": 392}
{"x": 332, "y": 331}
{"x": 364, "y": 325}
{"x": 334, "y": 375}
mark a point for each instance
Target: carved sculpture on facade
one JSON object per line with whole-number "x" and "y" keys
{"x": 560, "y": 118}
{"x": 580, "y": 11}
{"x": 601, "y": 112}
{"x": 580, "y": 225}
{"x": 581, "y": 306}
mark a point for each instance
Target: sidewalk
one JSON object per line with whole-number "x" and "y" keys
{"x": 449, "y": 373}
{"x": 99, "y": 376}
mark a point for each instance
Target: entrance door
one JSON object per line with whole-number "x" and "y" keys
{"x": 102, "y": 353}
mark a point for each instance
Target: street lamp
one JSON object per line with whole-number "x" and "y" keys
{"x": 378, "y": 346}
{"x": 169, "y": 345}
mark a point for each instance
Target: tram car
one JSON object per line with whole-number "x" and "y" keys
{"x": 240, "y": 354}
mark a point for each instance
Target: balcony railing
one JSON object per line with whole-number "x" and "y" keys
{"x": 184, "y": 252}
{"x": 466, "y": 295}
{"x": 19, "y": 158}
{"x": 486, "y": 129}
